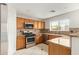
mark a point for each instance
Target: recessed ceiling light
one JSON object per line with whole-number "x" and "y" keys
{"x": 52, "y": 11}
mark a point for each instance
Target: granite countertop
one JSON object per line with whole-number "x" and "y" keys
{"x": 51, "y": 34}
{"x": 71, "y": 34}
{"x": 74, "y": 35}
{"x": 20, "y": 34}
{"x": 64, "y": 40}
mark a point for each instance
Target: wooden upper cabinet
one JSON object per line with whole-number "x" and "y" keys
{"x": 20, "y": 23}
{"x": 35, "y": 24}
{"x": 39, "y": 25}
{"x": 43, "y": 25}
{"x": 28, "y": 21}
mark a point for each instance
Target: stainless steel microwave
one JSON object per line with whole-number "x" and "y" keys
{"x": 29, "y": 25}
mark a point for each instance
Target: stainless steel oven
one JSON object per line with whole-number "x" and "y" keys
{"x": 30, "y": 39}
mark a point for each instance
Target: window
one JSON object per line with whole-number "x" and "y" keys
{"x": 64, "y": 24}
{"x": 60, "y": 25}
{"x": 54, "y": 25}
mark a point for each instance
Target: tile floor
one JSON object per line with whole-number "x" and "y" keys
{"x": 40, "y": 49}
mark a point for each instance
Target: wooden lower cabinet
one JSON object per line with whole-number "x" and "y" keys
{"x": 39, "y": 39}
{"x": 55, "y": 49}
{"x": 20, "y": 42}
{"x": 52, "y": 36}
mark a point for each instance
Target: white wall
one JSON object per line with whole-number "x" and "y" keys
{"x": 4, "y": 39}
{"x": 26, "y": 16}
{"x": 11, "y": 28}
{"x": 73, "y": 16}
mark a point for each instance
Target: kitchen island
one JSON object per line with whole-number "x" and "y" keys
{"x": 64, "y": 45}
{"x": 59, "y": 46}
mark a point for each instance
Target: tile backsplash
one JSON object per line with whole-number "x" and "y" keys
{"x": 71, "y": 30}
{"x": 35, "y": 31}
{"x": 19, "y": 32}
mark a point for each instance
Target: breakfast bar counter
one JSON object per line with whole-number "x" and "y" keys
{"x": 64, "y": 40}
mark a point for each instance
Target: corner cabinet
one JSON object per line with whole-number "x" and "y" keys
{"x": 39, "y": 39}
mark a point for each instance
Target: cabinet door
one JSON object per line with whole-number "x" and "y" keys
{"x": 26, "y": 20}
{"x": 55, "y": 49}
{"x": 39, "y": 39}
{"x": 42, "y": 25}
{"x": 52, "y": 36}
{"x": 64, "y": 50}
{"x": 20, "y": 23}
{"x": 30, "y": 21}
{"x": 39, "y": 25}
{"x": 20, "y": 42}
{"x": 35, "y": 25}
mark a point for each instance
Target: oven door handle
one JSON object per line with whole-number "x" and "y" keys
{"x": 30, "y": 37}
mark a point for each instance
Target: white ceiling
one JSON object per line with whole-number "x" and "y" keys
{"x": 42, "y": 10}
